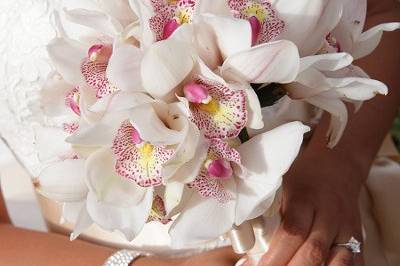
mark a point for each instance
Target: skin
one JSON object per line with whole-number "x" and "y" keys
{"x": 321, "y": 191}
{"x": 322, "y": 184}
{"x": 20, "y": 247}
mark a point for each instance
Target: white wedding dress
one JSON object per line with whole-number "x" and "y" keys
{"x": 26, "y": 26}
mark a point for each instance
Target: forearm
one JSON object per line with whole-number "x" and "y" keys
{"x": 367, "y": 128}
{"x": 25, "y": 247}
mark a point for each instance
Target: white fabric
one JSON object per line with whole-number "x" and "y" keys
{"x": 25, "y": 28}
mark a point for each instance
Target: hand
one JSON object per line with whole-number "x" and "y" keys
{"x": 320, "y": 208}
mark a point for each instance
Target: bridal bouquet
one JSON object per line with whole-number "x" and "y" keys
{"x": 156, "y": 104}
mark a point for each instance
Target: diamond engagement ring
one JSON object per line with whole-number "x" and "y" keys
{"x": 353, "y": 245}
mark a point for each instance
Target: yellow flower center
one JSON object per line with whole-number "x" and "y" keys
{"x": 211, "y": 107}
{"x": 146, "y": 150}
{"x": 184, "y": 16}
{"x": 256, "y": 10}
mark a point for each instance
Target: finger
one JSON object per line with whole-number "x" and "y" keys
{"x": 341, "y": 256}
{"x": 316, "y": 248}
{"x": 290, "y": 235}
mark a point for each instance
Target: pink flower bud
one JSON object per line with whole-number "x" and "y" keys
{"x": 135, "y": 137}
{"x": 100, "y": 53}
{"x": 196, "y": 93}
{"x": 220, "y": 169}
{"x": 169, "y": 28}
{"x": 255, "y": 29}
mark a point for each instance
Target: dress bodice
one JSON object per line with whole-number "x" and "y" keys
{"x": 25, "y": 29}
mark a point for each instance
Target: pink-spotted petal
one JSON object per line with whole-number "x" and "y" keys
{"x": 169, "y": 15}
{"x": 266, "y": 25}
{"x": 225, "y": 115}
{"x": 72, "y": 100}
{"x": 209, "y": 186}
{"x": 95, "y": 74}
{"x": 141, "y": 163}
{"x": 220, "y": 149}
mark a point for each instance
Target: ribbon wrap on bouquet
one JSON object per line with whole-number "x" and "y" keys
{"x": 253, "y": 237}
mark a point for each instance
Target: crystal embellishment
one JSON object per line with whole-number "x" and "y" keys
{"x": 123, "y": 258}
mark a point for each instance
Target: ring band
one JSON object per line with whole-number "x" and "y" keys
{"x": 352, "y": 245}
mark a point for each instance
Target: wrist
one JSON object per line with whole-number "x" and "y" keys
{"x": 339, "y": 164}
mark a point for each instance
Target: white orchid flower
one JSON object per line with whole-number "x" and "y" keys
{"x": 348, "y": 35}
{"x": 236, "y": 184}
{"x": 91, "y": 191}
{"x": 88, "y": 65}
{"x": 126, "y": 166}
{"x": 269, "y": 20}
{"x": 327, "y": 81}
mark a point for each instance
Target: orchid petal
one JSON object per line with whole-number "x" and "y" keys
{"x": 66, "y": 55}
{"x": 233, "y": 35}
{"x": 150, "y": 127}
{"x": 358, "y": 89}
{"x": 219, "y": 220}
{"x": 326, "y": 62}
{"x": 95, "y": 74}
{"x": 370, "y": 39}
{"x": 50, "y": 144}
{"x": 124, "y": 67}
{"x": 64, "y": 181}
{"x": 339, "y": 116}
{"x": 53, "y": 96}
{"x": 186, "y": 172}
{"x": 308, "y": 83}
{"x": 87, "y": 99}
{"x": 254, "y": 113}
{"x": 217, "y": 7}
{"x": 266, "y": 25}
{"x": 161, "y": 58}
{"x": 201, "y": 36}
{"x": 351, "y": 24}
{"x": 141, "y": 162}
{"x": 120, "y": 10}
{"x": 173, "y": 195}
{"x": 214, "y": 187}
{"x": 274, "y": 151}
{"x": 313, "y": 16}
{"x": 144, "y": 12}
{"x": 355, "y": 85}
{"x": 225, "y": 115}
{"x": 271, "y": 62}
{"x": 120, "y": 101}
{"x": 108, "y": 186}
{"x": 128, "y": 220}
{"x": 185, "y": 151}
{"x": 330, "y": 17}
{"x": 101, "y": 133}
{"x": 98, "y": 21}
{"x": 82, "y": 223}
